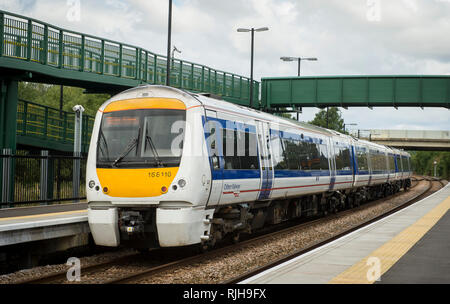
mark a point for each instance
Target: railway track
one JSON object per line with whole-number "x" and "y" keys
{"x": 151, "y": 271}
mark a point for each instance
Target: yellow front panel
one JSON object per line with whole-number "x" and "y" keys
{"x": 135, "y": 182}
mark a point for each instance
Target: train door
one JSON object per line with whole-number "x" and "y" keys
{"x": 213, "y": 134}
{"x": 332, "y": 163}
{"x": 265, "y": 159}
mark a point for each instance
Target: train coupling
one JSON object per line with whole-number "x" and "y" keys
{"x": 131, "y": 222}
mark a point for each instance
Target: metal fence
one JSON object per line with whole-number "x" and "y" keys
{"x": 50, "y": 124}
{"x": 37, "y": 177}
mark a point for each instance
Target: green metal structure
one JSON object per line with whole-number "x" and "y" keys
{"x": 50, "y": 128}
{"x": 35, "y": 51}
{"x": 351, "y": 91}
{"x": 40, "y": 52}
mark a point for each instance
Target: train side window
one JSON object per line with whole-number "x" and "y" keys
{"x": 239, "y": 150}
{"x": 250, "y": 158}
{"x": 343, "y": 160}
{"x": 293, "y": 159}
{"x": 399, "y": 164}
{"x": 279, "y": 153}
{"x": 362, "y": 159}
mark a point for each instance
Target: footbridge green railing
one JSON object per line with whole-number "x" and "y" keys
{"x": 49, "y": 128}
{"x": 55, "y": 55}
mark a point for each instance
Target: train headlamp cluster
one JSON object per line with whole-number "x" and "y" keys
{"x": 91, "y": 184}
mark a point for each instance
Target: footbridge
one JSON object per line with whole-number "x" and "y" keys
{"x": 35, "y": 51}
{"x": 420, "y": 140}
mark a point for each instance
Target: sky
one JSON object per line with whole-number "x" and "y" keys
{"x": 351, "y": 37}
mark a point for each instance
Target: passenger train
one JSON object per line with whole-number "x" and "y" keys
{"x": 170, "y": 168}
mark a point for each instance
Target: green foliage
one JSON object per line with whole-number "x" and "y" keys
{"x": 49, "y": 95}
{"x": 335, "y": 120}
{"x": 422, "y": 162}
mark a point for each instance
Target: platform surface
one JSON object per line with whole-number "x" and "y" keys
{"x": 415, "y": 239}
{"x": 20, "y": 225}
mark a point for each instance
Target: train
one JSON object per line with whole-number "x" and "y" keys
{"x": 172, "y": 168}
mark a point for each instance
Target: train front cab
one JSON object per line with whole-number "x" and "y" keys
{"x": 140, "y": 188}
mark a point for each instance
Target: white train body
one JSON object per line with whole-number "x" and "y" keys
{"x": 170, "y": 168}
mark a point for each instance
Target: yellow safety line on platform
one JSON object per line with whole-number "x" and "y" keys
{"x": 373, "y": 266}
{"x": 41, "y": 215}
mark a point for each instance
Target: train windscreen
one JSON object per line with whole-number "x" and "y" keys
{"x": 144, "y": 138}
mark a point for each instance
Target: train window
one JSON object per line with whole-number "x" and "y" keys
{"x": 343, "y": 159}
{"x": 323, "y": 155}
{"x": 279, "y": 154}
{"x": 391, "y": 163}
{"x": 361, "y": 155}
{"x": 239, "y": 150}
{"x": 141, "y": 138}
{"x": 250, "y": 158}
{"x": 292, "y": 155}
{"x": 399, "y": 164}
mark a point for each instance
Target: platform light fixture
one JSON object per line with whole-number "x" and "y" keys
{"x": 299, "y": 59}
{"x": 252, "y": 30}
{"x": 349, "y": 124}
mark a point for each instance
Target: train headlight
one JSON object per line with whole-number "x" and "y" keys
{"x": 181, "y": 183}
{"x": 91, "y": 184}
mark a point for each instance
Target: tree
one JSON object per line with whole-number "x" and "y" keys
{"x": 48, "y": 95}
{"x": 423, "y": 163}
{"x": 335, "y": 120}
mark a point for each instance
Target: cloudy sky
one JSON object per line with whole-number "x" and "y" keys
{"x": 349, "y": 37}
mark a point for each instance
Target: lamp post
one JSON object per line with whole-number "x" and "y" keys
{"x": 175, "y": 50}
{"x": 349, "y": 124}
{"x": 435, "y": 163}
{"x": 299, "y": 59}
{"x": 169, "y": 33}
{"x": 253, "y": 30}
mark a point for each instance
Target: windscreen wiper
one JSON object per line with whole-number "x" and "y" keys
{"x": 102, "y": 135}
{"x": 154, "y": 151}
{"x": 127, "y": 150}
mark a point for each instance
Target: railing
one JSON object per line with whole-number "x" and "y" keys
{"x": 50, "y": 124}
{"x": 39, "y": 178}
{"x": 32, "y": 40}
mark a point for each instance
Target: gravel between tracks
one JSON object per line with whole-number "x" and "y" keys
{"x": 40, "y": 271}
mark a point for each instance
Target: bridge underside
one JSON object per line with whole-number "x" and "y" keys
{"x": 417, "y": 145}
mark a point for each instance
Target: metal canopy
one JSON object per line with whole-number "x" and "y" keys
{"x": 360, "y": 91}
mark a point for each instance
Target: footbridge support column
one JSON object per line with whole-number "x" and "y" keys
{"x": 8, "y": 127}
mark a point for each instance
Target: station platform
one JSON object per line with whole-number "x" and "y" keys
{"x": 410, "y": 246}
{"x": 28, "y": 224}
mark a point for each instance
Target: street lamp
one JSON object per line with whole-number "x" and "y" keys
{"x": 349, "y": 124}
{"x": 253, "y": 30}
{"x": 299, "y": 59}
{"x": 175, "y": 50}
{"x": 435, "y": 163}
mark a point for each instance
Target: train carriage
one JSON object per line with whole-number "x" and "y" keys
{"x": 171, "y": 168}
